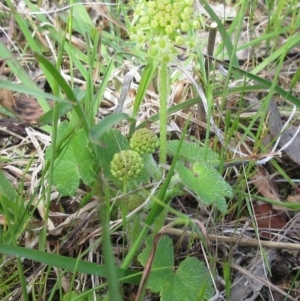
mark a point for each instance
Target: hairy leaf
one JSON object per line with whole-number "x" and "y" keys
{"x": 113, "y": 142}
{"x": 192, "y": 152}
{"x": 105, "y": 124}
{"x": 191, "y": 281}
{"x": 74, "y": 163}
{"x": 206, "y": 182}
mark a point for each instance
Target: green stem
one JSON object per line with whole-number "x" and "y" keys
{"x": 156, "y": 208}
{"x": 164, "y": 87}
{"x": 109, "y": 263}
{"x": 123, "y": 205}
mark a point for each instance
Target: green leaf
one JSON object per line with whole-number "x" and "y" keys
{"x": 16, "y": 68}
{"x": 290, "y": 43}
{"x": 6, "y": 188}
{"x": 31, "y": 90}
{"x": 113, "y": 142}
{"x": 63, "y": 107}
{"x": 225, "y": 36}
{"x": 192, "y": 152}
{"x": 105, "y": 80}
{"x": 266, "y": 84}
{"x": 163, "y": 263}
{"x": 207, "y": 183}
{"x": 66, "y": 88}
{"x": 157, "y": 208}
{"x": 146, "y": 78}
{"x": 69, "y": 264}
{"x": 151, "y": 167}
{"x": 204, "y": 180}
{"x": 70, "y": 296}
{"x": 186, "y": 283}
{"x": 189, "y": 280}
{"x": 211, "y": 174}
{"x": 74, "y": 163}
{"x": 73, "y": 296}
{"x": 295, "y": 79}
{"x": 105, "y": 124}
{"x": 84, "y": 158}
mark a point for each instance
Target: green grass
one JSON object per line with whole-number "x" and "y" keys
{"x": 88, "y": 69}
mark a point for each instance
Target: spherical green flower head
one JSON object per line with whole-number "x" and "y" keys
{"x": 165, "y": 23}
{"x": 144, "y": 141}
{"x": 126, "y": 164}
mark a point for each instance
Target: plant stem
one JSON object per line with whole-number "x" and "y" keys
{"x": 157, "y": 207}
{"x": 123, "y": 204}
{"x": 113, "y": 284}
{"x": 164, "y": 87}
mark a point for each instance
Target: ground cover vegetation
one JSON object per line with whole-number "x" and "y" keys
{"x": 149, "y": 150}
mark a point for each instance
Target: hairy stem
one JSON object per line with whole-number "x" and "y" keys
{"x": 164, "y": 87}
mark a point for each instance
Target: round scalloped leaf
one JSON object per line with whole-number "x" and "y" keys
{"x": 210, "y": 174}
{"x": 192, "y": 152}
{"x": 190, "y": 281}
{"x": 73, "y": 163}
{"x": 207, "y": 183}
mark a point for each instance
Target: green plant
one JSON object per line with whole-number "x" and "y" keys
{"x": 126, "y": 164}
{"x": 165, "y": 24}
{"x": 13, "y": 209}
{"x": 81, "y": 152}
{"x": 202, "y": 174}
{"x": 72, "y": 165}
{"x": 144, "y": 141}
{"x": 134, "y": 225}
{"x": 190, "y": 280}
{"x": 72, "y": 296}
{"x": 196, "y": 169}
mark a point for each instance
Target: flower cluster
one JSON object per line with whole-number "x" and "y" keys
{"x": 128, "y": 164}
{"x": 164, "y": 23}
{"x": 144, "y": 141}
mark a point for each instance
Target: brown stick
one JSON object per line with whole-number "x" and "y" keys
{"x": 241, "y": 242}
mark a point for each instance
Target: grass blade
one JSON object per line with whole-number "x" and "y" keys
{"x": 68, "y": 263}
